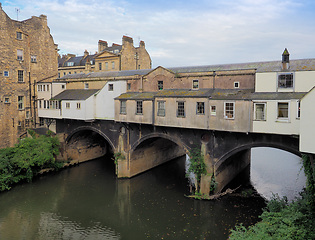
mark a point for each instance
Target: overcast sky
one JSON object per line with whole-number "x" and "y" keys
{"x": 178, "y": 32}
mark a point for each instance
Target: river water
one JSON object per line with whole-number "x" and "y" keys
{"x": 88, "y": 202}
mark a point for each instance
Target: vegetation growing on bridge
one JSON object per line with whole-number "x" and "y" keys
{"x": 197, "y": 166}
{"x": 283, "y": 220}
{"x": 26, "y": 159}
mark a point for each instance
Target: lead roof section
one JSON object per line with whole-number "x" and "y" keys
{"x": 75, "y": 94}
{"x": 212, "y": 94}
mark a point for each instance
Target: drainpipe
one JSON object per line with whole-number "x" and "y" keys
{"x": 153, "y": 112}
{"x": 213, "y": 80}
{"x": 249, "y": 116}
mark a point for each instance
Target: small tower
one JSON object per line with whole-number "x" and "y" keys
{"x": 285, "y": 59}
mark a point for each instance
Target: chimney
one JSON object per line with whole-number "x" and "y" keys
{"x": 127, "y": 39}
{"x": 142, "y": 44}
{"x": 86, "y": 53}
{"x": 285, "y": 59}
{"x": 102, "y": 45}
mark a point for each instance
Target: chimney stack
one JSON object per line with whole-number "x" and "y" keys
{"x": 102, "y": 45}
{"x": 285, "y": 59}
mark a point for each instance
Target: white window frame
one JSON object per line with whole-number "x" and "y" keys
{"x": 19, "y": 35}
{"x": 86, "y": 85}
{"x": 113, "y": 65}
{"x": 110, "y": 87}
{"x": 285, "y": 73}
{"x": 139, "y": 107}
{"x": 19, "y": 54}
{"x": 264, "y": 111}
{"x": 213, "y": 110}
{"x": 20, "y": 76}
{"x": 6, "y": 73}
{"x": 195, "y": 86}
{"x": 21, "y": 102}
{"x": 226, "y": 116}
{"x": 298, "y": 109}
{"x": 200, "y": 106}
{"x": 70, "y": 64}
{"x": 123, "y": 107}
{"x": 283, "y": 118}
{"x": 33, "y": 58}
{"x": 68, "y": 105}
{"x": 180, "y": 113}
{"x": 78, "y": 105}
{"x": 236, "y": 84}
{"x": 161, "y": 108}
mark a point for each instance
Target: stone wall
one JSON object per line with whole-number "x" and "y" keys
{"x": 31, "y": 40}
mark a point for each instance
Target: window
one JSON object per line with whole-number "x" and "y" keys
{"x": 63, "y": 86}
{"x": 139, "y": 107}
{"x": 113, "y": 65}
{"x": 106, "y": 65}
{"x": 78, "y": 105}
{"x": 59, "y": 75}
{"x": 6, "y": 100}
{"x": 39, "y": 88}
{"x": 110, "y": 87}
{"x": 39, "y": 103}
{"x": 236, "y": 84}
{"x": 213, "y": 111}
{"x": 19, "y": 54}
{"x": 20, "y": 102}
{"x": 160, "y": 85}
{"x": 20, "y": 76}
{"x": 44, "y": 88}
{"x": 67, "y": 105}
{"x": 180, "y": 109}
{"x": 260, "y": 111}
{"x": 27, "y": 114}
{"x": 285, "y": 80}
{"x": 69, "y": 72}
{"x": 100, "y": 66}
{"x": 128, "y": 86}
{"x": 298, "y": 110}
{"x": 283, "y": 110}
{"x": 229, "y": 110}
{"x": 47, "y": 87}
{"x": 86, "y": 85}
{"x": 195, "y": 84}
{"x": 200, "y": 108}
{"x": 123, "y": 107}
{"x": 19, "y": 35}
{"x": 161, "y": 108}
{"x": 70, "y": 64}
{"x": 6, "y": 73}
{"x": 33, "y": 59}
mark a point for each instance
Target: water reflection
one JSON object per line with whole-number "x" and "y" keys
{"x": 274, "y": 171}
{"x": 88, "y": 202}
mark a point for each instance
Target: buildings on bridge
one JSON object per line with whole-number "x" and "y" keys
{"x": 108, "y": 58}
{"x": 262, "y": 97}
{"x": 28, "y": 55}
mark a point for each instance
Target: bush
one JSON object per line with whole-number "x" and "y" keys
{"x": 26, "y": 159}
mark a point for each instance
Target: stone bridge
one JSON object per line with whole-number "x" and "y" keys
{"x": 140, "y": 147}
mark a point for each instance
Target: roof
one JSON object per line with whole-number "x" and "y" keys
{"x": 269, "y": 66}
{"x": 77, "y": 61}
{"x": 214, "y": 94}
{"x": 113, "y": 74}
{"x": 76, "y": 94}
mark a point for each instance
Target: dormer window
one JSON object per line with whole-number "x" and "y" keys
{"x": 285, "y": 80}
{"x": 70, "y": 64}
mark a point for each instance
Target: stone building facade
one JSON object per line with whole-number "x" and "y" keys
{"x": 108, "y": 58}
{"x": 28, "y": 55}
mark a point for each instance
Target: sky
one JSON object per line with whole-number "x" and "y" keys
{"x": 180, "y": 33}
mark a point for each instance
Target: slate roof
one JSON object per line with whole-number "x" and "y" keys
{"x": 76, "y": 94}
{"x": 136, "y": 96}
{"x": 77, "y": 61}
{"x": 269, "y": 66}
{"x": 108, "y": 74}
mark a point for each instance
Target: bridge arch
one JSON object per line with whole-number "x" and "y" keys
{"x": 93, "y": 129}
{"x": 86, "y": 143}
{"x": 154, "y": 149}
{"x": 234, "y": 161}
{"x": 219, "y": 164}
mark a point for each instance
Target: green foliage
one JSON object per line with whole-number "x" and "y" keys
{"x": 281, "y": 220}
{"x": 197, "y": 165}
{"x": 118, "y": 156}
{"x": 213, "y": 184}
{"x": 26, "y": 159}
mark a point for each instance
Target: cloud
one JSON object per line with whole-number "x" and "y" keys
{"x": 181, "y": 33}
